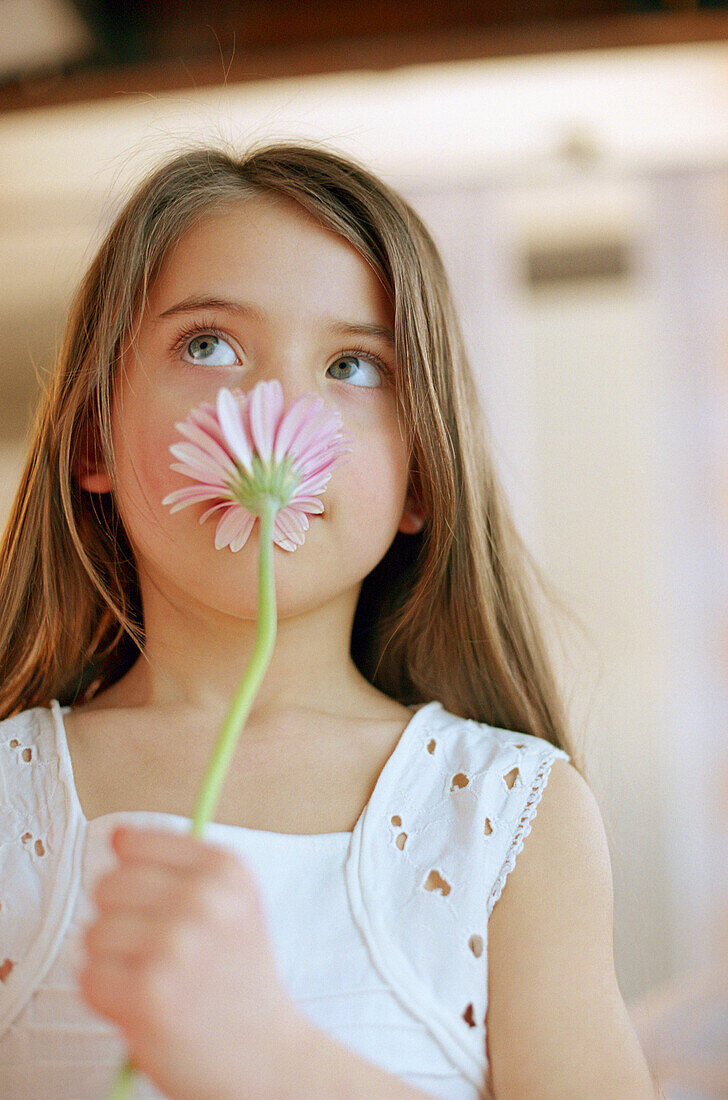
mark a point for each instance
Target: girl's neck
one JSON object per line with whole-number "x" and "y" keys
{"x": 194, "y": 659}
{"x": 151, "y": 685}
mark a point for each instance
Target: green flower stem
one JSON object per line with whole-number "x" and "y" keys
{"x": 217, "y": 768}
{"x": 265, "y": 637}
{"x": 123, "y": 1081}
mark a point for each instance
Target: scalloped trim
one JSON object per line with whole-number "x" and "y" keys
{"x": 524, "y": 828}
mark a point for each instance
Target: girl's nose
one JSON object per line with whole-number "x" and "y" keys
{"x": 297, "y": 376}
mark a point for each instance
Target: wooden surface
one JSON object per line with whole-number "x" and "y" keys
{"x": 194, "y": 52}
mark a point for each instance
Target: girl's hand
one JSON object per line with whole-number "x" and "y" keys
{"x": 179, "y": 960}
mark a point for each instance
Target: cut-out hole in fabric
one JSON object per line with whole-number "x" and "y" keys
{"x": 27, "y": 755}
{"x": 431, "y": 746}
{"x": 459, "y": 781}
{"x": 397, "y": 821}
{"x": 435, "y": 881}
{"x": 5, "y": 967}
{"x": 400, "y": 841}
{"x": 475, "y": 943}
{"x": 39, "y": 849}
{"x": 14, "y": 743}
{"x": 488, "y": 827}
{"x": 468, "y": 1016}
{"x": 510, "y": 779}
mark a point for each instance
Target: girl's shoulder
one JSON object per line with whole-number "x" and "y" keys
{"x": 27, "y": 734}
{"x": 471, "y": 755}
{"x": 31, "y": 767}
{"x": 456, "y": 776}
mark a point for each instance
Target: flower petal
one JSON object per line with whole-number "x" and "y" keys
{"x": 206, "y": 443}
{"x": 205, "y": 417}
{"x": 320, "y": 461}
{"x": 191, "y": 455}
{"x": 231, "y": 421}
{"x": 312, "y": 505}
{"x": 302, "y": 412}
{"x": 191, "y": 494}
{"x": 285, "y": 525}
{"x": 315, "y": 484}
{"x": 265, "y": 409}
{"x": 230, "y": 526}
{"x": 242, "y": 537}
{"x": 314, "y": 434}
{"x": 215, "y": 508}
{"x": 329, "y": 426}
{"x": 298, "y": 519}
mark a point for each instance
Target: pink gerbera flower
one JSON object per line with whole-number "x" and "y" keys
{"x": 246, "y": 449}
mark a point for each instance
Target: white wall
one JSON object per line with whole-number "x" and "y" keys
{"x": 12, "y": 454}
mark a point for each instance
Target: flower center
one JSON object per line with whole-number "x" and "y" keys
{"x": 277, "y": 481}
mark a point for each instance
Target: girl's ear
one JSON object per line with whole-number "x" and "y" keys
{"x": 413, "y": 517}
{"x": 94, "y": 481}
{"x": 90, "y": 469}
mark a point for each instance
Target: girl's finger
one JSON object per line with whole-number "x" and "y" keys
{"x": 105, "y": 985}
{"x": 160, "y": 846}
{"x": 146, "y": 888}
{"x": 122, "y": 937}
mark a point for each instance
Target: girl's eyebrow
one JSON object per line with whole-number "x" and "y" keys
{"x": 340, "y": 328}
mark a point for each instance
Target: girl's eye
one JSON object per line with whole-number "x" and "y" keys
{"x": 210, "y": 348}
{"x": 351, "y": 366}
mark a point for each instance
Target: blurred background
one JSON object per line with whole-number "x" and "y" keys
{"x": 571, "y": 160}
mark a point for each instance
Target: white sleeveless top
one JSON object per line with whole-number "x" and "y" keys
{"x": 379, "y": 935}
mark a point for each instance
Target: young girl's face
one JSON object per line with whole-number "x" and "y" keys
{"x": 261, "y": 291}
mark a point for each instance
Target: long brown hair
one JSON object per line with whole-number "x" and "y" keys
{"x": 449, "y": 613}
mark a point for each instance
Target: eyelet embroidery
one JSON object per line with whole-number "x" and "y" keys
{"x": 475, "y": 943}
{"x": 436, "y": 883}
{"x": 26, "y": 754}
{"x": 38, "y": 846}
{"x": 401, "y": 837}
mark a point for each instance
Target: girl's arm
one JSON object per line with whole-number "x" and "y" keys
{"x": 557, "y": 1026}
{"x": 320, "y": 1066}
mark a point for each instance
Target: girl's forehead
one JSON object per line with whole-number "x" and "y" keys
{"x": 268, "y": 247}
{"x": 260, "y": 219}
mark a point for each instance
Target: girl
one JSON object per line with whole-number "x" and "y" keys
{"x": 337, "y": 932}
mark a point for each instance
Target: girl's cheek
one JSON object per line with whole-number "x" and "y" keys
{"x": 159, "y": 476}
{"x": 143, "y": 465}
{"x": 373, "y": 487}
